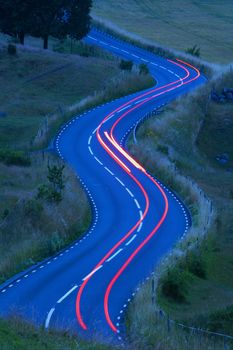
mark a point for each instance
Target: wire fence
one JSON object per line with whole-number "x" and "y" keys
{"x": 193, "y": 337}
{"x": 188, "y": 337}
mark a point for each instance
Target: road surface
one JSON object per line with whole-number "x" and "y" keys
{"x": 136, "y": 220}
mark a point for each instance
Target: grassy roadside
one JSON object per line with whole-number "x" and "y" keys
{"x": 197, "y": 287}
{"x": 178, "y": 25}
{"x": 16, "y": 334}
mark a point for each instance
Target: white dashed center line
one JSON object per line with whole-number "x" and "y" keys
{"x": 66, "y": 295}
{"x": 114, "y": 255}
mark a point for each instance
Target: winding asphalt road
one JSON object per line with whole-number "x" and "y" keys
{"x": 136, "y": 219}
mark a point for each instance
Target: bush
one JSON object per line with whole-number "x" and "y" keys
{"x": 46, "y": 192}
{"x": 126, "y": 65}
{"x": 194, "y": 51}
{"x": 11, "y": 49}
{"x": 5, "y": 213}
{"x": 143, "y": 69}
{"x": 195, "y": 265}
{"x": 174, "y": 285}
{"x": 10, "y": 157}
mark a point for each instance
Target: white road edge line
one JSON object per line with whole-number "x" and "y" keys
{"x": 92, "y": 272}
{"x": 66, "y": 295}
{"x": 110, "y": 172}
{"x": 49, "y": 318}
{"x": 98, "y": 161}
{"x": 114, "y": 255}
{"x": 90, "y": 150}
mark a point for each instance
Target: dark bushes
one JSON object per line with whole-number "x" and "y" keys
{"x": 174, "y": 285}
{"x": 11, "y": 157}
{"x": 11, "y": 49}
{"x": 126, "y": 65}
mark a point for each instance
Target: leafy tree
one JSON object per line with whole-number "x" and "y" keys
{"x": 52, "y": 192}
{"x": 79, "y": 18}
{"x": 16, "y": 17}
{"x": 43, "y": 18}
{"x": 49, "y": 19}
{"x": 55, "y": 177}
{"x": 60, "y": 18}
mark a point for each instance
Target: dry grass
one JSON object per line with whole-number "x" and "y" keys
{"x": 175, "y": 24}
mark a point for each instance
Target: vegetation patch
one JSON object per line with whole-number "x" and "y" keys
{"x": 16, "y": 334}
{"x": 11, "y": 157}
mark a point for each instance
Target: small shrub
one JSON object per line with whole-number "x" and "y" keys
{"x": 126, "y": 65}
{"x": 46, "y": 192}
{"x": 54, "y": 196}
{"x": 11, "y": 49}
{"x": 5, "y": 213}
{"x": 42, "y": 192}
{"x": 52, "y": 192}
{"x": 10, "y": 157}
{"x": 143, "y": 69}
{"x": 194, "y": 51}
{"x": 195, "y": 265}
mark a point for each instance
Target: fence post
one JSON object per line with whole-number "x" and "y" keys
{"x": 168, "y": 324}
{"x": 153, "y": 291}
{"x": 225, "y": 343}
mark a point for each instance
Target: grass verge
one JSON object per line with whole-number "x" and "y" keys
{"x": 16, "y": 334}
{"x": 196, "y": 286}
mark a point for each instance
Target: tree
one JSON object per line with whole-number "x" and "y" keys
{"x": 56, "y": 178}
{"x": 43, "y": 18}
{"x": 79, "y": 18}
{"x": 59, "y": 18}
{"x": 49, "y": 20}
{"x": 16, "y": 17}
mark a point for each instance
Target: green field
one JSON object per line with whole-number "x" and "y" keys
{"x": 177, "y": 24}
